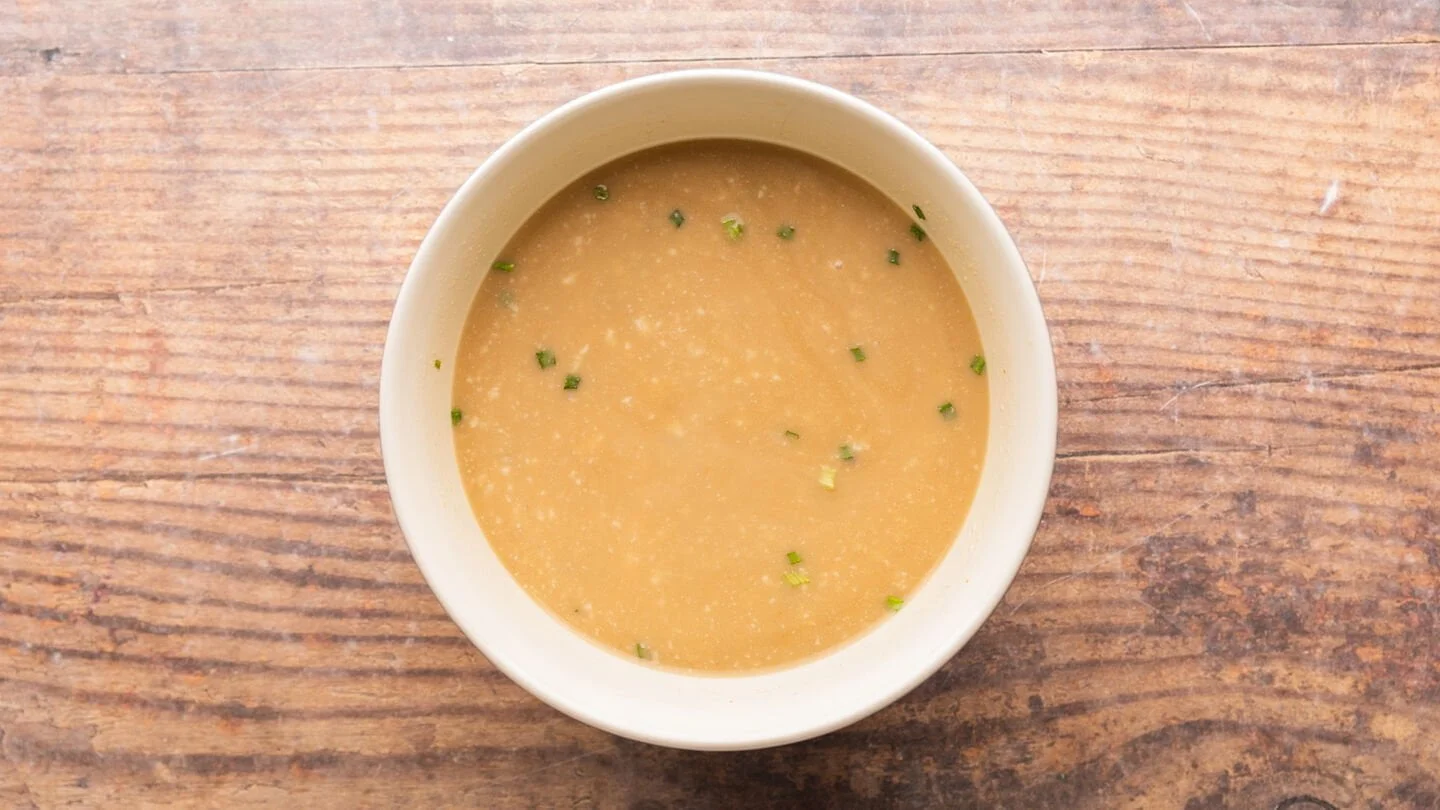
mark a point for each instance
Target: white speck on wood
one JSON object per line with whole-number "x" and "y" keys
{"x": 1331, "y": 195}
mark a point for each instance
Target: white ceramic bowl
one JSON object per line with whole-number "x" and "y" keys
{"x": 538, "y": 651}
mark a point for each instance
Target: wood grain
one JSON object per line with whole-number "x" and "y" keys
{"x": 1232, "y": 600}
{"x": 149, "y": 36}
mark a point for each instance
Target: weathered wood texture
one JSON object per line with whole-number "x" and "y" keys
{"x": 1234, "y": 599}
{"x": 163, "y": 35}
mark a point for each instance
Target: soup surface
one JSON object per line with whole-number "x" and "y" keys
{"x": 719, "y": 406}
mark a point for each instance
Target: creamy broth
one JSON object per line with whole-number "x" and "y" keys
{"x": 660, "y": 382}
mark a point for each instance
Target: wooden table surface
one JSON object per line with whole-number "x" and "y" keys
{"x": 1231, "y": 210}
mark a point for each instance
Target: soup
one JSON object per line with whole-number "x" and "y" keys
{"x": 720, "y": 406}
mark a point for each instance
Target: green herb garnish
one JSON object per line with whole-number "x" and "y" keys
{"x": 919, "y": 214}
{"x": 894, "y": 602}
{"x": 786, "y": 232}
{"x": 977, "y": 364}
{"x": 734, "y": 227}
{"x": 601, "y": 192}
{"x": 437, "y": 362}
{"x": 893, "y": 256}
{"x": 455, "y": 416}
{"x": 790, "y": 434}
{"x": 827, "y": 477}
{"x": 947, "y": 410}
{"x": 642, "y": 652}
{"x": 545, "y": 358}
{"x": 796, "y": 578}
{"x": 504, "y": 267}
{"x": 917, "y": 232}
{"x": 677, "y": 217}
{"x": 572, "y": 381}
{"x": 846, "y": 452}
{"x": 793, "y": 557}
{"x": 857, "y": 353}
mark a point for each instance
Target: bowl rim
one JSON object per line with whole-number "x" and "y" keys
{"x": 1037, "y": 328}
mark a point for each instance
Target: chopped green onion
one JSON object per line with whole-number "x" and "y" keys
{"x": 455, "y": 416}
{"x": 786, "y": 232}
{"x": 977, "y": 364}
{"x": 572, "y": 381}
{"x": 734, "y": 226}
{"x": 601, "y": 192}
{"x": 919, "y": 213}
{"x": 894, "y": 602}
{"x": 677, "y": 217}
{"x": 846, "y": 452}
{"x": 893, "y": 256}
{"x": 545, "y": 358}
{"x": 827, "y": 477}
{"x": 947, "y": 410}
{"x": 793, "y": 557}
{"x": 796, "y": 578}
{"x": 857, "y": 353}
{"x": 642, "y": 652}
{"x": 437, "y": 362}
{"x": 917, "y": 232}
{"x": 790, "y": 434}
{"x": 504, "y": 267}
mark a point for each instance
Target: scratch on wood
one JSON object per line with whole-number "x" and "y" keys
{"x": 234, "y": 451}
{"x": 1160, "y": 615}
{"x": 1194, "y": 15}
{"x": 1308, "y": 378}
{"x": 528, "y": 774}
{"x": 280, "y": 91}
{"x": 1187, "y": 389}
{"x": 1114, "y": 554}
{"x": 121, "y": 296}
{"x": 1120, "y": 455}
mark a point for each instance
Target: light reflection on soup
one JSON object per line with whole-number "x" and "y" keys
{"x": 720, "y": 406}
